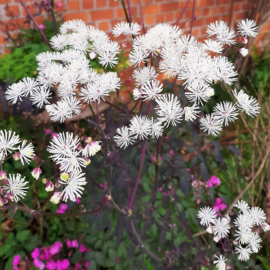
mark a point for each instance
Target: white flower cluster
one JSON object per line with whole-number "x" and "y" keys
{"x": 162, "y": 50}
{"x": 14, "y": 186}
{"x": 67, "y": 72}
{"x": 68, "y": 152}
{"x": 247, "y": 238}
{"x": 190, "y": 61}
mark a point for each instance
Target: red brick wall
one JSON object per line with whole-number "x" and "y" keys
{"x": 104, "y": 14}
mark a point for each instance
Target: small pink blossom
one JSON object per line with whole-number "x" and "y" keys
{"x": 153, "y": 158}
{"x": 55, "y": 248}
{"x": 47, "y": 131}
{"x": 171, "y": 152}
{"x": 62, "y": 265}
{"x": 78, "y": 200}
{"x": 35, "y": 253}
{"x": 219, "y": 205}
{"x": 87, "y": 264}
{"x": 54, "y": 135}
{"x": 160, "y": 189}
{"x": 187, "y": 169}
{"x": 39, "y": 264}
{"x": 82, "y": 248}
{"x": 41, "y": 26}
{"x": 214, "y": 181}
{"x": 51, "y": 265}
{"x": 74, "y": 243}
{"x": 16, "y": 260}
{"x": 59, "y": 4}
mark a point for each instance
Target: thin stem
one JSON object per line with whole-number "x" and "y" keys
{"x": 185, "y": 225}
{"x": 125, "y": 10}
{"x": 193, "y": 16}
{"x": 119, "y": 109}
{"x": 53, "y": 16}
{"x": 151, "y": 254}
{"x": 182, "y": 13}
{"x": 37, "y": 26}
{"x": 129, "y": 11}
{"x": 142, "y": 17}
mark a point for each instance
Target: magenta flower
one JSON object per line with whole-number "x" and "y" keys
{"x": 171, "y": 152}
{"x": 214, "y": 181}
{"x": 78, "y": 200}
{"x": 55, "y": 248}
{"x": 47, "y": 131}
{"x": 63, "y": 207}
{"x": 41, "y": 26}
{"x": 87, "y": 264}
{"x": 54, "y": 135}
{"x": 35, "y": 253}
{"x": 51, "y": 265}
{"x": 62, "y": 265}
{"x": 219, "y": 205}
{"x": 59, "y": 4}
{"x": 39, "y": 264}
{"x": 3, "y": 175}
{"x": 82, "y": 248}
{"x": 74, "y": 243}
{"x": 153, "y": 158}
{"x": 16, "y": 260}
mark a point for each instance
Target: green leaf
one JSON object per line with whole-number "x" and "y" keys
{"x": 92, "y": 265}
{"x": 22, "y": 236}
{"x": 108, "y": 263}
{"x": 99, "y": 258}
{"x": 112, "y": 254}
{"x": 122, "y": 250}
{"x": 161, "y": 211}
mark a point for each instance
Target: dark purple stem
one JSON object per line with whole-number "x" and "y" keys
{"x": 37, "y": 26}
{"x": 53, "y": 16}
{"x": 142, "y": 17}
{"x": 192, "y": 19}
{"x": 129, "y": 12}
{"x": 182, "y": 13}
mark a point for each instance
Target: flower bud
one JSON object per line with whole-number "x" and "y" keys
{"x": 57, "y": 184}
{"x": 36, "y": 173}
{"x": 1, "y": 202}
{"x": 87, "y": 161}
{"x": 209, "y": 229}
{"x": 216, "y": 238}
{"x": 64, "y": 176}
{"x": 10, "y": 196}
{"x": 54, "y": 135}
{"x": 5, "y": 182}
{"x": 56, "y": 197}
{"x": 92, "y": 55}
{"x": 49, "y": 186}
{"x": 49, "y": 108}
{"x": 16, "y": 156}
{"x": 209, "y": 92}
{"x": 244, "y": 40}
{"x": 3, "y": 175}
{"x": 88, "y": 139}
{"x": 44, "y": 180}
{"x": 79, "y": 147}
{"x": 243, "y": 52}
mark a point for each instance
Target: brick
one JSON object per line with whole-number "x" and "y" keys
{"x": 150, "y": 19}
{"x": 198, "y": 22}
{"x": 31, "y": 8}
{"x": 88, "y": 4}
{"x": 99, "y": 15}
{"x": 150, "y": 9}
{"x": 160, "y": 18}
{"x": 101, "y": 3}
{"x": 169, "y": 17}
{"x": 12, "y": 10}
{"x": 2, "y": 39}
{"x": 113, "y": 3}
{"x": 73, "y": 5}
{"x": 207, "y": 3}
{"x": 84, "y": 16}
{"x": 169, "y": 7}
{"x": 104, "y": 26}
{"x": 120, "y": 12}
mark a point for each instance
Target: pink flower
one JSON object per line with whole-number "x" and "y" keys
{"x": 54, "y": 135}
{"x": 36, "y": 173}
{"x": 68, "y": 243}
{"x": 39, "y": 264}
{"x": 41, "y": 26}
{"x": 59, "y": 4}
{"x": 78, "y": 200}
{"x": 16, "y": 260}
{"x": 219, "y": 205}
{"x": 63, "y": 207}
{"x": 64, "y": 264}
{"x": 171, "y": 152}
{"x": 51, "y": 265}
{"x": 222, "y": 206}
{"x": 154, "y": 158}
{"x": 3, "y": 176}
{"x": 214, "y": 181}
{"x": 160, "y": 189}
{"x": 47, "y": 131}
{"x": 82, "y": 248}
{"x": 35, "y": 253}
{"x": 87, "y": 264}
{"x": 74, "y": 243}
{"x": 101, "y": 186}
{"x": 55, "y": 248}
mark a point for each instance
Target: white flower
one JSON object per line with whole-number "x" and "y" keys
{"x": 210, "y": 124}
{"x": 243, "y": 235}
{"x": 197, "y": 93}
{"x": 221, "y": 227}
{"x": 254, "y": 242}
{"x": 29, "y": 84}
{"x": 220, "y": 262}
{"x": 248, "y": 28}
{"x": 216, "y": 28}
{"x": 226, "y": 112}
{"x": 225, "y": 70}
{"x": 244, "y": 253}
{"x": 91, "y": 148}
{"x": 137, "y": 56}
{"x": 207, "y": 216}
{"x": 169, "y": 109}
{"x": 123, "y": 137}
{"x": 213, "y": 46}
{"x": 258, "y": 216}
{"x": 60, "y": 111}
{"x": 14, "y": 93}
{"x": 191, "y": 113}
{"x": 74, "y": 186}
{"x": 265, "y": 226}
{"x": 108, "y": 58}
{"x": 227, "y": 37}
{"x": 126, "y": 29}
{"x": 40, "y": 96}
{"x": 151, "y": 89}
{"x": 247, "y": 104}
{"x": 157, "y": 128}
{"x": 17, "y": 186}
{"x": 140, "y": 126}
{"x": 143, "y": 75}
{"x": 59, "y": 42}
{"x": 26, "y": 152}
{"x": 243, "y": 52}
{"x": 8, "y": 140}
{"x": 244, "y": 222}
{"x": 242, "y": 206}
